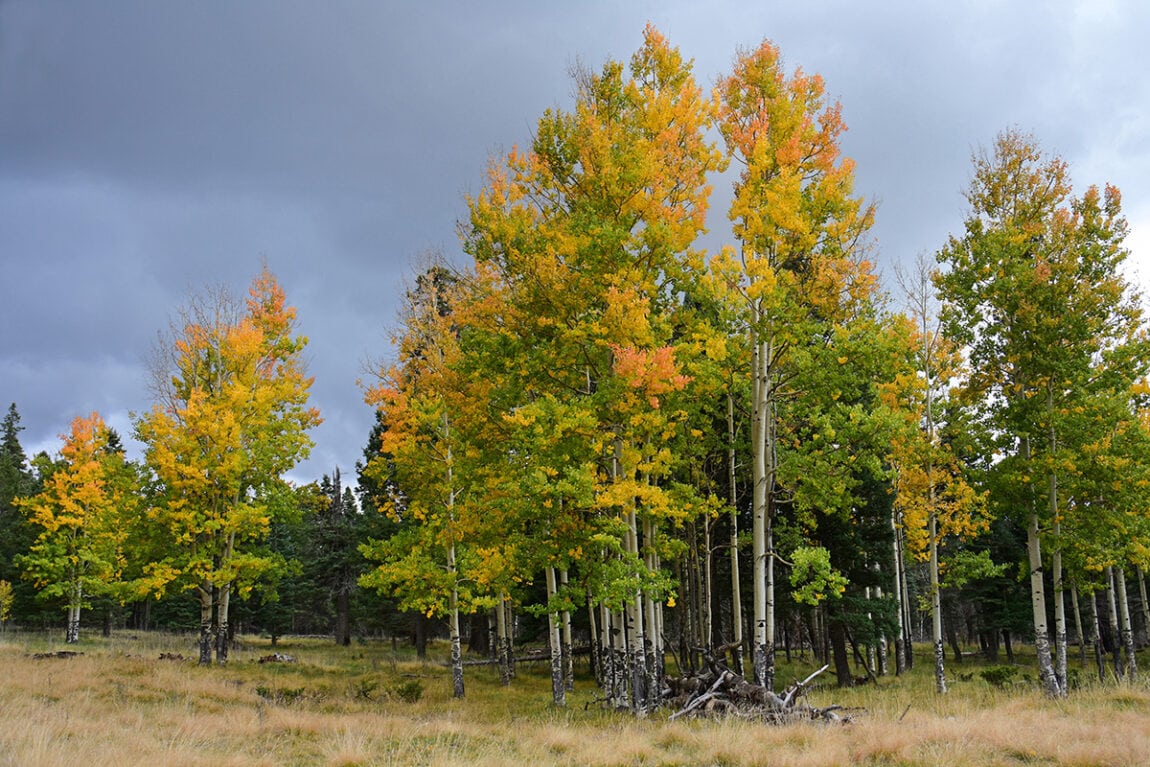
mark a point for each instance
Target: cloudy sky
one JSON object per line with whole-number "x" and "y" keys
{"x": 151, "y": 148}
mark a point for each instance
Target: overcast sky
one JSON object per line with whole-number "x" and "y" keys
{"x": 151, "y": 148}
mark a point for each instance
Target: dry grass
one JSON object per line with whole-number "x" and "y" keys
{"x": 118, "y": 704}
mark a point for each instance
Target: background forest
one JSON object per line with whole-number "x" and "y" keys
{"x": 597, "y": 435}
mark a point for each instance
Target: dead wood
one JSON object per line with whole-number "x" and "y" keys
{"x": 57, "y": 654}
{"x": 722, "y": 692}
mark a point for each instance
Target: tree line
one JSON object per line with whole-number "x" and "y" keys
{"x": 598, "y": 429}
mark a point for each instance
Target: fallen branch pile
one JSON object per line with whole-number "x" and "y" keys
{"x": 722, "y": 692}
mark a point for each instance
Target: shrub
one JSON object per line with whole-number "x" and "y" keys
{"x": 409, "y": 691}
{"x": 999, "y": 676}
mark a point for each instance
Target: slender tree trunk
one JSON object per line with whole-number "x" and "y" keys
{"x": 1145, "y": 605}
{"x": 769, "y": 679}
{"x": 555, "y": 642}
{"x": 568, "y": 658}
{"x": 907, "y": 615}
{"x": 706, "y": 587}
{"x": 899, "y": 595}
{"x": 1050, "y": 683}
{"x": 761, "y": 528}
{"x": 838, "y": 636}
{"x": 1059, "y": 597}
{"x": 75, "y": 599}
{"x": 636, "y": 635}
{"x": 936, "y": 605}
{"x": 1096, "y": 637}
{"x": 1049, "y": 677}
{"x": 502, "y": 642}
{"x": 597, "y": 643}
{"x": 733, "y": 499}
{"x": 653, "y": 648}
{"x": 454, "y": 637}
{"x": 1074, "y": 605}
{"x": 1125, "y": 626}
{"x": 619, "y": 693}
{"x": 1115, "y": 634}
{"x": 223, "y": 640}
{"x": 207, "y": 602}
{"x": 457, "y": 690}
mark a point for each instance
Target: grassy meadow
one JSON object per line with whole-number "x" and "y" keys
{"x": 120, "y": 703}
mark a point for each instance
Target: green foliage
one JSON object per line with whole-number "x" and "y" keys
{"x": 6, "y": 599}
{"x": 409, "y": 690}
{"x": 812, "y": 577}
{"x": 999, "y": 676}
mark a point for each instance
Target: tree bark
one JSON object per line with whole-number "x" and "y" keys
{"x": 653, "y": 646}
{"x": 936, "y": 604}
{"x": 223, "y": 641}
{"x": 899, "y": 595}
{"x": 555, "y": 642}
{"x": 1115, "y": 634}
{"x": 1124, "y": 625}
{"x": 1046, "y": 671}
{"x": 1145, "y": 605}
{"x": 206, "y": 644}
{"x": 457, "y": 690}
{"x": 1074, "y": 605}
{"x": 75, "y": 599}
{"x": 1096, "y": 637}
{"x": 838, "y": 636}
{"x": 733, "y": 499}
{"x": 568, "y": 658}
{"x": 503, "y": 642}
{"x": 1059, "y": 597}
{"x": 1050, "y": 683}
{"x": 763, "y": 478}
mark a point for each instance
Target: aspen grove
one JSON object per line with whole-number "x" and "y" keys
{"x": 604, "y": 402}
{"x": 670, "y": 455}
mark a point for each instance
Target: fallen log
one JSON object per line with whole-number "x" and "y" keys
{"x": 722, "y": 692}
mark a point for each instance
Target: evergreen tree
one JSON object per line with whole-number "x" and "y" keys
{"x": 17, "y": 479}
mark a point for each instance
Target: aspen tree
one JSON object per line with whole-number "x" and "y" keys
{"x": 231, "y": 417}
{"x": 426, "y": 564}
{"x": 932, "y": 495}
{"x": 580, "y": 244}
{"x": 799, "y": 226}
{"x": 83, "y": 513}
{"x": 1034, "y": 292}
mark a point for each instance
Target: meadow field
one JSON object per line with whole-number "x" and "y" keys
{"x": 120, "y": 703}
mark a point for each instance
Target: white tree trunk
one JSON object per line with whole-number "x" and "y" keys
{"x": 760, "y": 517}
{"x": 1059, "y": 597}
{"x": 1050, "y": 683}
{"x": 936, "y": 605}
{"x": 1096, "y": 637}
{"x": 1115, "y": 633}
{"x": 568, "y": 659}
{"x": 555, "y": 642}
{"x": 1125, "y": 626}
{"x": 653, "y": 650}
{"x": 733, "y": 498}
{"x": 453, "y": 630}
{"x": 207, "y": 602}
{"x": 899, "y": 596}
